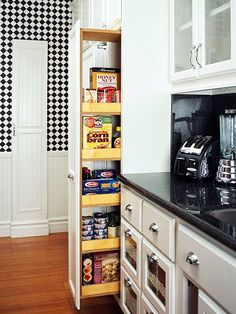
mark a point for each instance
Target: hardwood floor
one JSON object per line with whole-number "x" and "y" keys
{"x": 33, "y": 279}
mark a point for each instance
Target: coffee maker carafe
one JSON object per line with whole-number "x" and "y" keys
{"x": 227, "y": 165}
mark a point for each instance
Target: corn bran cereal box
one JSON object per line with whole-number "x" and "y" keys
{"x": 97, "y": 132}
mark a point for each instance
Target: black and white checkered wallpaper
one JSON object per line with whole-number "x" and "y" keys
{"x": 37, "y": 20}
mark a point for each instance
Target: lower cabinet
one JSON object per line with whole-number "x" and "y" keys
{"x": 147, "y": 307}
{"x": 158, "y": 279}
{"x": 130, "y": 294}
{"x": 207, "y": 305}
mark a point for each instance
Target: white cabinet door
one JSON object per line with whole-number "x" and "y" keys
{"x": 183, "y": 39}
{"x": 207, "y": 305}
{"x": 158, "y": 279}
{"x": 113, "y": 14}
{"x": 216, "y": 47}
{"x": 130, "y": 294}
{"x": 74, "y": 162}
{"x": 131, "y": 250}
{"x": 147, "y": 307}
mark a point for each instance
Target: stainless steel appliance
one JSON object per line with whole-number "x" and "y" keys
{"x": 197, "y": 158}
{"x": 227, "y": 165}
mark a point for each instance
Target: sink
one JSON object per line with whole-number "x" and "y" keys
{"x": 227, "y": 215}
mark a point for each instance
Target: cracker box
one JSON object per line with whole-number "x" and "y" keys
{"x": 100, "y": 186}
{"x": 104, "y": 77}
{"x": 90, "y": 95}
{"x": 106, "y": 267}
{"x": 97, "y": 132}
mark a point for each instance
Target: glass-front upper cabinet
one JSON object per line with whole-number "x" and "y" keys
{"x": 216, "y": 51}
{"x": 203, "y": 41}
{"x": 183, "y": 39}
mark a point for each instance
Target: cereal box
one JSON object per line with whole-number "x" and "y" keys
{"x": 97, "y": 132}
{"x": 104, "y": 77}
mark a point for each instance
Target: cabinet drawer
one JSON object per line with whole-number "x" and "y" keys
{"x": 159, "y": 229}
{"x": 147, "y": 307}
{"x": 206, "y": 305}
{"x": 131, "y": 250}
{"x": 214, "y": 271}
{"x": 158, "y": 278}
{"x": 130, "y": 294}
{"x": 131, "y": 208}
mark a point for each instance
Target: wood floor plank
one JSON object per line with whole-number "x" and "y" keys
{"x": 34, "y": 279}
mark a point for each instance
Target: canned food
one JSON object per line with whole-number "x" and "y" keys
{"x": 87, "y": 220}
{"x": 99, "y": 237}
{"x": 100, "y": 226}
{"x": 101, "y": 220}
{"x": 100, "y": 232}
{"x": 87, "y": 233}
{"x": 87, "y": 228}
{"x": 86, "y": 238}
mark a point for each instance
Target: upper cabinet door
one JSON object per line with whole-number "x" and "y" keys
{"x": 183, "y": 33}
{"x": 215, "y": 50}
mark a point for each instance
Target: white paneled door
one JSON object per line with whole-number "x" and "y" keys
{"x": 29, "y": 139}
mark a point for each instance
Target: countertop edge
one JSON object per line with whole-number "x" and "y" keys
{"x": 213, "y": 232}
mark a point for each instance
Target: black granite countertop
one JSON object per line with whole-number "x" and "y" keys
{"x": 200, "y": 204}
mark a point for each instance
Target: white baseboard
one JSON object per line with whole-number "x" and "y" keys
{"x": 29, "y": 229}
{"x": 5, "y": 229}
{"x": 59, "y": 224}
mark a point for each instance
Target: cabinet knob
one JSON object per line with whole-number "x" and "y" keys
{"x": 128, "y": 283}
{"x": 128, "y": 233}
{"x": 192, "y": 259}
{"x": 153, "y": 258}
{"x": 70, "y": 176}
{"x": 154, "y": 227}
{"x": 128, "y": 208}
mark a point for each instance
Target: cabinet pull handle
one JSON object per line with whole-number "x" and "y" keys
{"x": 197, "y": 55}
{"x": 128, "y": 283}
{"x": 154, "y": 227}
{"x": 192, "y": 259}
{"x": 128, "y": 208}
{"x": 153, "y": 258}
{"x": 128, "y": 233}
{"x": 13, "y": 129}
{"x": 191, "y": 57}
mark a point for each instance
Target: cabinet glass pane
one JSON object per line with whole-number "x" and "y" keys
{"x": 217, "y": 30}
{"x": 130, "y": 299}
{"x": 183, "y": 34}
{"x": 156, "y": 279}
{"x": 131, "y": 251}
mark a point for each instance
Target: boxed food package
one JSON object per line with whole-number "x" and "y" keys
{"x": 97, "y": 132}
{"x": 104, "y": 173}
{"x": 105, "y": 94}
{"x": 104, "y": 77}
{"x": 106, "y": 267}
{"x": 100, "y": 186}
{"x": 87, "y": 269}
{"x": 90, "y": 95}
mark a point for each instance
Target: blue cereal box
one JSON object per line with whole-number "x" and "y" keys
{"x": 100, "y": 186}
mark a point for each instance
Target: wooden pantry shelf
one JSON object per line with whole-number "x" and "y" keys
{"x": 92, "y": 246}
{"x": 101, "y": 154}
{"x": 112, "y": 199}
{"x": 100, "y": 35}
{"x": 100, "y": 289}
{"x": 101, "y": 108}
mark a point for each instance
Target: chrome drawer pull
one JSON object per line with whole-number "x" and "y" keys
{"x": 153, "y": 258}
{"x": 128, "y": 208}
{"x": 128, "y": 233}
{"x": 192, "y": 259}
{"x": 154, "y": 227}
{"x": 128, "y": 283}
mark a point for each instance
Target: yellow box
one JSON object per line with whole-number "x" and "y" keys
{"x": 104, "y": 77}
{"x": 97, "y": 132}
